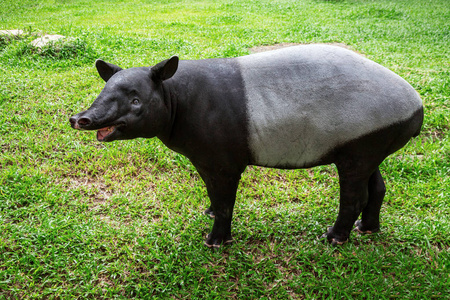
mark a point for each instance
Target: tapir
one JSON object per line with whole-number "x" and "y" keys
{"x": 291, "y": 108}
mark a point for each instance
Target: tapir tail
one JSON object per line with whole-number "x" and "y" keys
{"x": 419, "y": 119}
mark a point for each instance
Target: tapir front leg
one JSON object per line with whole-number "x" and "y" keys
{"x": 209, "y": 212}
{"x": 222, "y": 190}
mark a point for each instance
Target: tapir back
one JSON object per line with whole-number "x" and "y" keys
{"x": 304, "y": 101}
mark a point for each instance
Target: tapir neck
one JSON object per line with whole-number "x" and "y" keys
{"x": 170, "y": 102}
{"x": 179, "y": 101}
{"x": 206, "y": 101}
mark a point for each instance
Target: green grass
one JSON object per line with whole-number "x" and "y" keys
{"x": 80, "y": 219}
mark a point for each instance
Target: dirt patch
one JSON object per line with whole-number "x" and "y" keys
{"x": 264, "y": 48}
{"x": 96, "y": 190}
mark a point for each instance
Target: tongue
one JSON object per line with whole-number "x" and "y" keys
{"x": 104, "y": 132}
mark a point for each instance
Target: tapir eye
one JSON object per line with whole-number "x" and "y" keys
{"x": 135, "y": 101}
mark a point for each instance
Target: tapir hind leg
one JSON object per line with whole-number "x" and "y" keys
{"x": 370, "y": 219}
{"x": 354, "y": 196}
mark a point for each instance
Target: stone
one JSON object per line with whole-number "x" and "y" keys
{"x": 12, "y": 32}
{"x": 46, "y": 39}
{"x": 6, "y": 36}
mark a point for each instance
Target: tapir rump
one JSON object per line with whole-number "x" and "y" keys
{"x": 291, "y": 108}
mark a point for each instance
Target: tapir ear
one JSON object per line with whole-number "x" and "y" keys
{"x": 165, "y": 69}
{"x": 106, "y": 70}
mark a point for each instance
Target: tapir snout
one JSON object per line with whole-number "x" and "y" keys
{"x": 80, "y": 122}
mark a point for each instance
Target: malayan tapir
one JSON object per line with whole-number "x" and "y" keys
{"x": 290, "y": 108}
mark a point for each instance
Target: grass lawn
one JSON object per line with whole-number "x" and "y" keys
{"x": 83, "y": 219}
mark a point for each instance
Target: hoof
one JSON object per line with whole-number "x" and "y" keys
{"x": 360, "y": 228}
{"x": 217, "y": 243}
{"x": 331, "y": 238}
{"x": 335, "y": 242}
{"x": 208, "y": 212}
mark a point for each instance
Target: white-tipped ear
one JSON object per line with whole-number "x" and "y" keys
{"x": 165, "y": 69}
{"x": 106, "y": 70}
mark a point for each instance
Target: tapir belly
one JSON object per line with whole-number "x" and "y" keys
{"x": 302, "y": 102}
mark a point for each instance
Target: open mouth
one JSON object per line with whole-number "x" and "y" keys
{"x": 103, "y": 133}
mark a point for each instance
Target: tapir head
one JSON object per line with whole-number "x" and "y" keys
{"x": 131, "y": 104}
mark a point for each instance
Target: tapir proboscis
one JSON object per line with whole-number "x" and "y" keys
{"x": 290, "y": 108}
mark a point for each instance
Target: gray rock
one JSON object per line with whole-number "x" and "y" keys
{"x": 12, "y": 32}
{"x": 46, "y": 39}
{"x": 6, "y": 36}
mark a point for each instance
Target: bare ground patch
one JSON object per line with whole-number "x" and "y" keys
{"x": 263, "y": 48}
